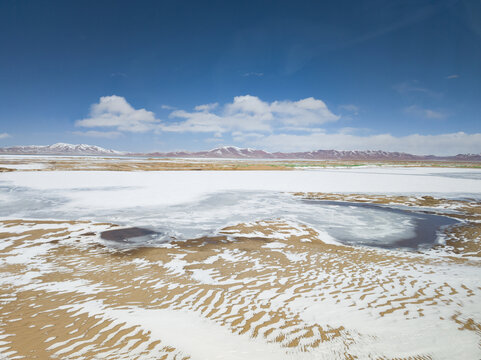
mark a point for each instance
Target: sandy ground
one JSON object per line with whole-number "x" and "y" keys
{"x": 85, "y": 163}
{"x": 266, "y": 289}
{"x": 261, "y": 290}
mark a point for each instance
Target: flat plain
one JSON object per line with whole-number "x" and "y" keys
{"x": 290, "y": 260}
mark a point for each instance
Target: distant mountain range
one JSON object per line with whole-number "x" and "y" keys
{"x": 232, "y": 152}
{"x": 58, "y": 149}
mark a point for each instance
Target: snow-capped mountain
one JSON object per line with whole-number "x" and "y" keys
{"x": 59, "y": 149}
{"x": 468, "y": 157}
{"x": 226, "y": 152}
{"x": 349, "y": 155}
{"x": 233, "y": 152}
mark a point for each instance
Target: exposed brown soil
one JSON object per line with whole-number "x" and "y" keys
{"x": 39, "y": 324}
{"x": 41, "y": 321}
{"x": 158, "y": 164}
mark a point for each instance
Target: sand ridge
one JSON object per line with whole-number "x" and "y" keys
{"x": 271, "y": 285}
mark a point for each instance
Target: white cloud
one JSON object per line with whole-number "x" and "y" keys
{"x": 276, "y": 126}
{"x": 248, "y": 104}
{"x": 350, "y": 130}
{"x": 249, "y": 113}
{"x": 305, "y": 112}
{"x": 4, "y": 135}
{"x": 443, "y": 144}
{"x": 206, "y": 107}
{"x": 98, "y": 134}
{"x": 454, "y": 76}
{"x": 198, "y": 121}
{"x": 240, "y": 137}
{"x": 115, "y": 112}
{"x": 426, "y": 113}
{"x": 301, "y": 129}
{"x": 245, "y": 113}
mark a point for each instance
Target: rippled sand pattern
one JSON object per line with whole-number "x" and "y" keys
{"x": 268, "y": 289}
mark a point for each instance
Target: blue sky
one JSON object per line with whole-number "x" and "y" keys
{"x": 277, "y": 75}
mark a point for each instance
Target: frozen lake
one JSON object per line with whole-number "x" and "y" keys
{"x": 341, "y": 222}
{"x": 287, "y": 296}
{"x": 186, "y": 205}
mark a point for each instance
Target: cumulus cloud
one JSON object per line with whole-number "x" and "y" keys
{"x": 426, "y": 113}
{"x": 115, "y": 112}
{"x": 249, "y": 113}
{"x": 197, "y": 121}
{"x": 443, "y": 144}
{"x": 245, "y": 113}
{"x": 305, "y": 112}
{"x": 4, "y": 135}
{"x": 276, "y": 126}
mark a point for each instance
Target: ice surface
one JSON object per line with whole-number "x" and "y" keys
{"x": 185, "y": 205}
{"x": 174, "y": 187}
{"x": 352, "y": 293}
{"x": 23, "y": 166}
